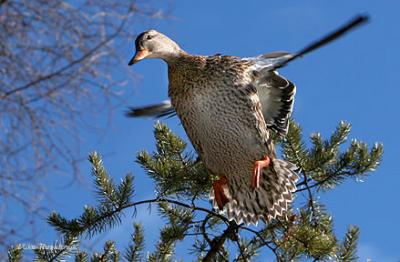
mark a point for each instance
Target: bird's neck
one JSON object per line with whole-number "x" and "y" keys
{"x": 184, "y": 70}
{"x": 172, "y": 58}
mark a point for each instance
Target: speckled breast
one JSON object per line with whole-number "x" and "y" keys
{"x": 224, "y": 123}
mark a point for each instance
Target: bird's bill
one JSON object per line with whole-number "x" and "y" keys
{"x": 139, "y": 55}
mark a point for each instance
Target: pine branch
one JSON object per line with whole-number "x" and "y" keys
{"x": 179, "y": 223}
{"x": 173, "y": 171}
{"x": 260, "y": 240}
{"x": 104, "y": 185}
{"x": 181, "y": 179}
{"x": 15, "y": 254}
{"x": 134, "y": 252}
{"x": 112, "y": 201}
{"x": 109, "y": 253}
{"x": 247, "y": 250}
{"x": 169, "y": 234}
{"x": 294, "y": 149}
{"x": 81, "y": 257}
{"x": 355, "y": 162}
{"x": 92, "y": 221}
{"x": 305, "y": 237}
{"x": 323, "y": 166}
{"x": 348, "y": 249}
{"x": 218, "y": 242}
{"x": 57, "y": 252}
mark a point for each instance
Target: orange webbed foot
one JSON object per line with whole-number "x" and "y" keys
{"x": 219, "y": 195}
{"x": 257, "y": 171}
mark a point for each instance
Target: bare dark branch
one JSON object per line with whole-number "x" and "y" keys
{"x": 57, "y": 58}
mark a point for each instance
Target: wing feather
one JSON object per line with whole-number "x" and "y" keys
{"x": 277, "y": 98}
{"x": 160, "y": 110}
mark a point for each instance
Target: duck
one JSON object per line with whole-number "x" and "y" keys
{"x": 229, "y": 108}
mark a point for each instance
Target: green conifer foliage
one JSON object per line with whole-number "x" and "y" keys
{"x": 182, "y": 186}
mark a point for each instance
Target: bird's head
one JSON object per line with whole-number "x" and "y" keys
{"x": 153, "y": 44}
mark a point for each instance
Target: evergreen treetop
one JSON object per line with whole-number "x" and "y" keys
{"x": 182, "y": 186}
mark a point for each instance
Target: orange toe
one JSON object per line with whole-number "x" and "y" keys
{"x": 219, "y": 195}
{"x": 257, "y": 171}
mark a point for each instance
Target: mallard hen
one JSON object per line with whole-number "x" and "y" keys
{"x": 227, "y": 106}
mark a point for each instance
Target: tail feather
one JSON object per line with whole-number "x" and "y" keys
{"x": 271, "y": 200}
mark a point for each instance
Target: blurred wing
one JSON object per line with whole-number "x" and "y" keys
{"x": 163, "y": 109}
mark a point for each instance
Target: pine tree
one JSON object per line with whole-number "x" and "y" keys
{"x": 182, "y": 186}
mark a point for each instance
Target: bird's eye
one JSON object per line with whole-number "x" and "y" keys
{"x": 148, "y": 37}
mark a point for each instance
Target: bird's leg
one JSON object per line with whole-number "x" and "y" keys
{"x": 257, "y": 171}
{"x": 219, "y": 195}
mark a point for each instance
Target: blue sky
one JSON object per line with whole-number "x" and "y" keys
{"x": 353, "y": 79}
